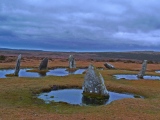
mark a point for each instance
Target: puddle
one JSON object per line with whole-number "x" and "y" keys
{"x": 64, "y": 72}
{"x": 58, "y": 72}
{"x": 75, "y": 96}
{"x": 79, "y": 71}
{"x": 157, "y": 71}
{"x": 134, "y": 77}
{"x": 54, "y": 72}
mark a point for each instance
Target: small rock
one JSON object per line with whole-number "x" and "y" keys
{"x": 109, "y": 66}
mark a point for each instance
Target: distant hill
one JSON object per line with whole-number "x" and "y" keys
{"x": 132, "y": 55}
{"x": 138, "y": 55}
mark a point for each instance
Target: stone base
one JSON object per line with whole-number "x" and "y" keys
{"x": 94, "y": 95}
{"x": 71, "y": 70}
{"x": 94, "y": 99}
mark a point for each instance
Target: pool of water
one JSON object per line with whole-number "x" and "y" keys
{"x": 157, "y": 71}
{"x": 75, "y": 96}
{"x": 64, "y": 72}
{"x": 54, "y": 72}
{"x": 134, "y": 77}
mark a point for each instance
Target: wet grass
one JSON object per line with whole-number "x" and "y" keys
{"x": 18, "y": 98}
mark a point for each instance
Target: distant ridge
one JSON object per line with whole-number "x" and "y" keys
{"x": 99, "y": 56}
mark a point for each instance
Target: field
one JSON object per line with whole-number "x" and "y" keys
{"x": 18, "y": 99}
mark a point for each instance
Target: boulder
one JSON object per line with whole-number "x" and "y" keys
{"x": 43, "y": 65}
{"x": 94, "y": 82}
{"x": 143, "y": 70}
{"x": 17, "y": 67}
{"x": 72, "y": 63}
{"x": 109, "y": 66}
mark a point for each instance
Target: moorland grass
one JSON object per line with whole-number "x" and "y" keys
{"x": 18, "y": 98}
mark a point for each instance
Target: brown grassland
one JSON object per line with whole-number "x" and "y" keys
{"x": 18, "y": 94}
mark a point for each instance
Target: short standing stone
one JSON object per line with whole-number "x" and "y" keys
{"x": 17, "y": 68}
{"x": 72, "y": 63}
{"x": 43, "y": 65}
{"x": 143, "y": 70}
{"x": 109, "y": 66}
{"x": 94, "y": 82}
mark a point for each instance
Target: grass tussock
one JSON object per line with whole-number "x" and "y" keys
{"x": 38, "y": 71}
{"x": 11, "y": 75}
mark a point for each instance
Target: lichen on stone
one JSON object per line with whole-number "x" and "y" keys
{"x": 94, "y": 83}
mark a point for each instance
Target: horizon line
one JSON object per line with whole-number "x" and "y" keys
{"x": 42, "y": 50}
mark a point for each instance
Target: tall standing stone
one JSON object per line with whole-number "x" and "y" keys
{"x": 109, "y": 66}
{"x": 17, "y": 68}
{"x": 44, "y": 64}
{"x": 72, "y": 63}
{"x": 94, "y": 82}
{"x": 143, "y": 70}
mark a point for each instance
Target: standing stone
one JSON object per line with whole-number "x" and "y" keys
{"x": 72, "y": 63}
{"x": 143, "y": 70}
{"x": 94, "y": 82}
{"x": 43, "y": 65}
{"x": 109, "y": 66}
{"x": 17, "y": 68}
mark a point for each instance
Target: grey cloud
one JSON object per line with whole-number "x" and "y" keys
{"x": 92, "y": 22}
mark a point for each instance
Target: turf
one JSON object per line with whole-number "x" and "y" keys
{"x": 18, "y": 96}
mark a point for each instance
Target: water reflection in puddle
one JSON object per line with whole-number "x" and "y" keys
{"x": 64, "y": 72}
{"x": 54, "y": 72}
{"x": 134, "y": 77}
{"x": 22, "y": 73}
{"x": 58, "y": 72}
{"x": 75, "y": 96}
{"x": 157, "y": 71}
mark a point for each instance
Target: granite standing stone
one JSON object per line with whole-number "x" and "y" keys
{"x": 109, "y": 66}
{"x": 94, "y": 82}
{"x": 143, "y": 70}
{"x": 17, "y": 68}
{"x": 43, "y": 65}
{"x": 72, "y": 63}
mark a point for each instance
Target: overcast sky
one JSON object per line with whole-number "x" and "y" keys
{"x": 80, "y": 25}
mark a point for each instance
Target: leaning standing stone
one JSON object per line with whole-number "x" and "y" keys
{"x": 94, "y": 83}
{"x": 143, "y": 70}
{"x": 43, "y": 65}
{"x": 17, "y": 68}
{"x": 72, "y": 63}
{"x": 109, "y": 66}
